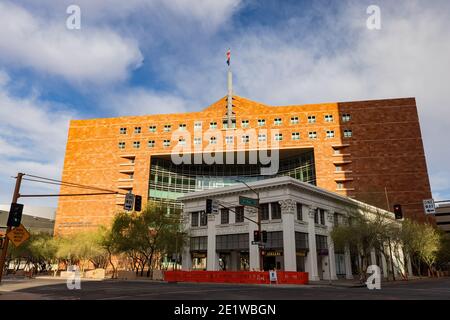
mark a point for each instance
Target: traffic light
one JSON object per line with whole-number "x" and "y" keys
{"x": 209, "y": 206}
{"x": 15, "y": 215}
{"x": 256, "y": 236}
{"x": 398, "y": 212}
{"x": 264, "y": 236}
{"x": 137, "y": 203}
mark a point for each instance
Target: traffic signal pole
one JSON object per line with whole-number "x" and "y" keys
{"x": 16, "y": 196}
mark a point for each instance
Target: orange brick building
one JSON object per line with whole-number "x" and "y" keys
{"x": 368, "y": 150}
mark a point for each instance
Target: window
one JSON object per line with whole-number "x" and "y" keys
{"x": 224, "y": 216}
{"x": 123, "y": 130}
{"x": 346, "y": 117}
{"x": 137, "y": 129}
{"x": 276, "y": 210}
{"x": 182, "y": 126}
{"x": 225, "y": 124}
{"x": 136, "y": 144}
{"x": 197, "y": 141}
{"x": 166, "y": 143}
{"x": 301, "y": 241}
{"x": 348, "y": 133}
{"x": 152, "y": 128}
{"x": 274, "y": 240}
{"x": 245, "y": 123}
{"x": 319, "y": 216}
{"x": 336, "y": 219}
{"x": 278, "y": 136}
{"x": 232, "y": 242}
{"x": 229, "y": 139}
{"x": 203, "y": 219}
{"x": 311, "y": 119}
{"x": 340, "y": 185}
{"x": 261, "y": 122}
{"x": 151, "y": 143}
{"x": 264, "y": 211}
{"x": 277, "y": 121}
{"x": 321, "y": 242}
{"x": 299, "y": 211}
{"x": 330, "y": 134}
{"x": 294, "y": 120}
{"x": 182, "y": 141}
{"x": 337, "y": 151}
{"x": 167, "y": 128}
{"x": 213, "y": 125}
{"x": 213, "y": 140}
{"x": 246, "y": 139}
{"x": 295, "y": 136}
{"x": 197, "y": 126}
{"x": 312, "y": 135}
{"x": 199, "y": 244}
{"x": 239, "y": 217}
{"x": 121, "y": 145}
{"x": 338, "y": 168}
{"x": 261, "y": 137}
{"x": 328, "y": 118}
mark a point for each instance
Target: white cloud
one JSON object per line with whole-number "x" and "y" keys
{"x": 94, "y": 55}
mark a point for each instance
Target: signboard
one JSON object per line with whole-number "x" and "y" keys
{"x": 429, "y": 206}
{"x": 18, "y": 235}
{"x": 272, "y": 253}
{"x": 273, "y": 276}
{"x": 250, "y": 202}
{"x": 215, "y": 207}
{"x": 129, "y": 202}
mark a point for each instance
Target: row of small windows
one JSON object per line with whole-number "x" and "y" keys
{"x": 245, "y": 139}
{"x": 245, "y": 123}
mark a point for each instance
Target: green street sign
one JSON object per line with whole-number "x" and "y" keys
{"x": 244, "y": 201}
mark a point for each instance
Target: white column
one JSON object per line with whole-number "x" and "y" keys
{"x": 384, "y": 265}
{"x": 186, "y": 258}
{"x": 212, "y": 260}
{"x": 331, "y": 254}
{"x": 373, "y": 256}
{"x": 289, "y": 252}
{"x": 253, "y": 249}
{"x": 312, "y": 254}
{"x": 348, "y": 264}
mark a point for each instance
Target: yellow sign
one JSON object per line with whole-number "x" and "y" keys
{"x": 18, "y": 235}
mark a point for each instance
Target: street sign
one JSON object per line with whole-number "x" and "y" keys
{"x": 18, "y": 235}
{"x": 129, "y": 202}
{"x": 244, "y": 201}
{"x": 273, "y": 276}
{"x": 429, "y": 206}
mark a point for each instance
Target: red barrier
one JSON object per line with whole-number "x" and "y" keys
{"x": 251, "y": 277}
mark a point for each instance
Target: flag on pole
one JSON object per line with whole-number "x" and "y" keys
{"x": 228, "y": 57}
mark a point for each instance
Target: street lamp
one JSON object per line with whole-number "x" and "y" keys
{"x": 258, "y": 223}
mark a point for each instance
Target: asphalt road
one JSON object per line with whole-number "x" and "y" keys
{"x": 149, "y": 290}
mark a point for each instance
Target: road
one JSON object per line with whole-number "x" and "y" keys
{"x": 51, "y": 289}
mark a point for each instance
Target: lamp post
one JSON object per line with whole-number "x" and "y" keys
{"x": 258, "y": 222}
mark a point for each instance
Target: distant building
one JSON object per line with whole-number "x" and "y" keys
{"x": 443, "y": 215}
{"x": 297, "y": 217}
{"x": 35, "y": 219}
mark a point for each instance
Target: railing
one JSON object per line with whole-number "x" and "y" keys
{"x": 249, "y": 277}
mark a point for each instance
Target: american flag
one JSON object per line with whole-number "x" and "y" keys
{"x": 228, "y": 56}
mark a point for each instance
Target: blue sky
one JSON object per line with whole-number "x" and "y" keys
{"x": 143, "y": 57}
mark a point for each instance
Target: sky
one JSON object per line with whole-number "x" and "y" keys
{"x": 140, "y": 57}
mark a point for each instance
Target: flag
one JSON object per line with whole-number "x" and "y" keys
{"x": 228, "y": 56}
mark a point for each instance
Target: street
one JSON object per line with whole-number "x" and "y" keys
{"x": 56, "y": 289}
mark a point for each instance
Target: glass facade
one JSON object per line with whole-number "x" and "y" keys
{"x": 169, "y": 181}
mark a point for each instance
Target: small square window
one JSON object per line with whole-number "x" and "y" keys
{"x": 229, "y": 139}
{"x": 123, "y": 130}
{"x": 328, "y": 118}
{"x": 348, "y": 133}
{"x": 295, "y": 136}
{"x": 346, "y": 117}
{"x": 197, "y": 126}
{"x": 197, "y": 141}
{"x": 121, "y": 145}
{"x": 213, "y": 125}
{"x": 312, "y": 135}
{"x": 261, "y": 122}
{"x": 137, "y": 129}
{"x": 239, "y": 216}
{"x": 151, "y": 143}
{"x": 330, "y": 134}
{"x": 277, "y": 121}
{"x": 340, "y": 185}
{"x": 136, "y": 144}
{"x": 213, "y": 140}
{"x": 225, "y": 124}
{"x": 246, "y": 139}
{"x": 338, "y": 168}
{"x": 182, "y": 142}
{"x": 182, "y": 126}
{"x": 294, "y": 120}
{"x": 152, "y": 128}
{"x": 311, "y": 119}
{"x": 278, "y": 136}
{"x": 167, "y": 128}
{"x": 166, "y": 143}
{"x": 262, "y": 137}
{"x": 245, "y": 123}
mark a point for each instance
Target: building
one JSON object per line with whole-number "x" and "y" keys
{"x": 368, "y": 150}
{"x": 36, "y": 219}
{"x": 443, "y": 215}
{"x": 297, "y": 217}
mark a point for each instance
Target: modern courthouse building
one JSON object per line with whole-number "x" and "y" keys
{"x": 371, "y": 151}
{"x": 298, "y": 218}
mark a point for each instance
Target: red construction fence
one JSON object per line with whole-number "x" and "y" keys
{"x": 253, "y": 277}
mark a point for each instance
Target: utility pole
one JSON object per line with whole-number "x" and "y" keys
{"x": 16, "y": 196}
